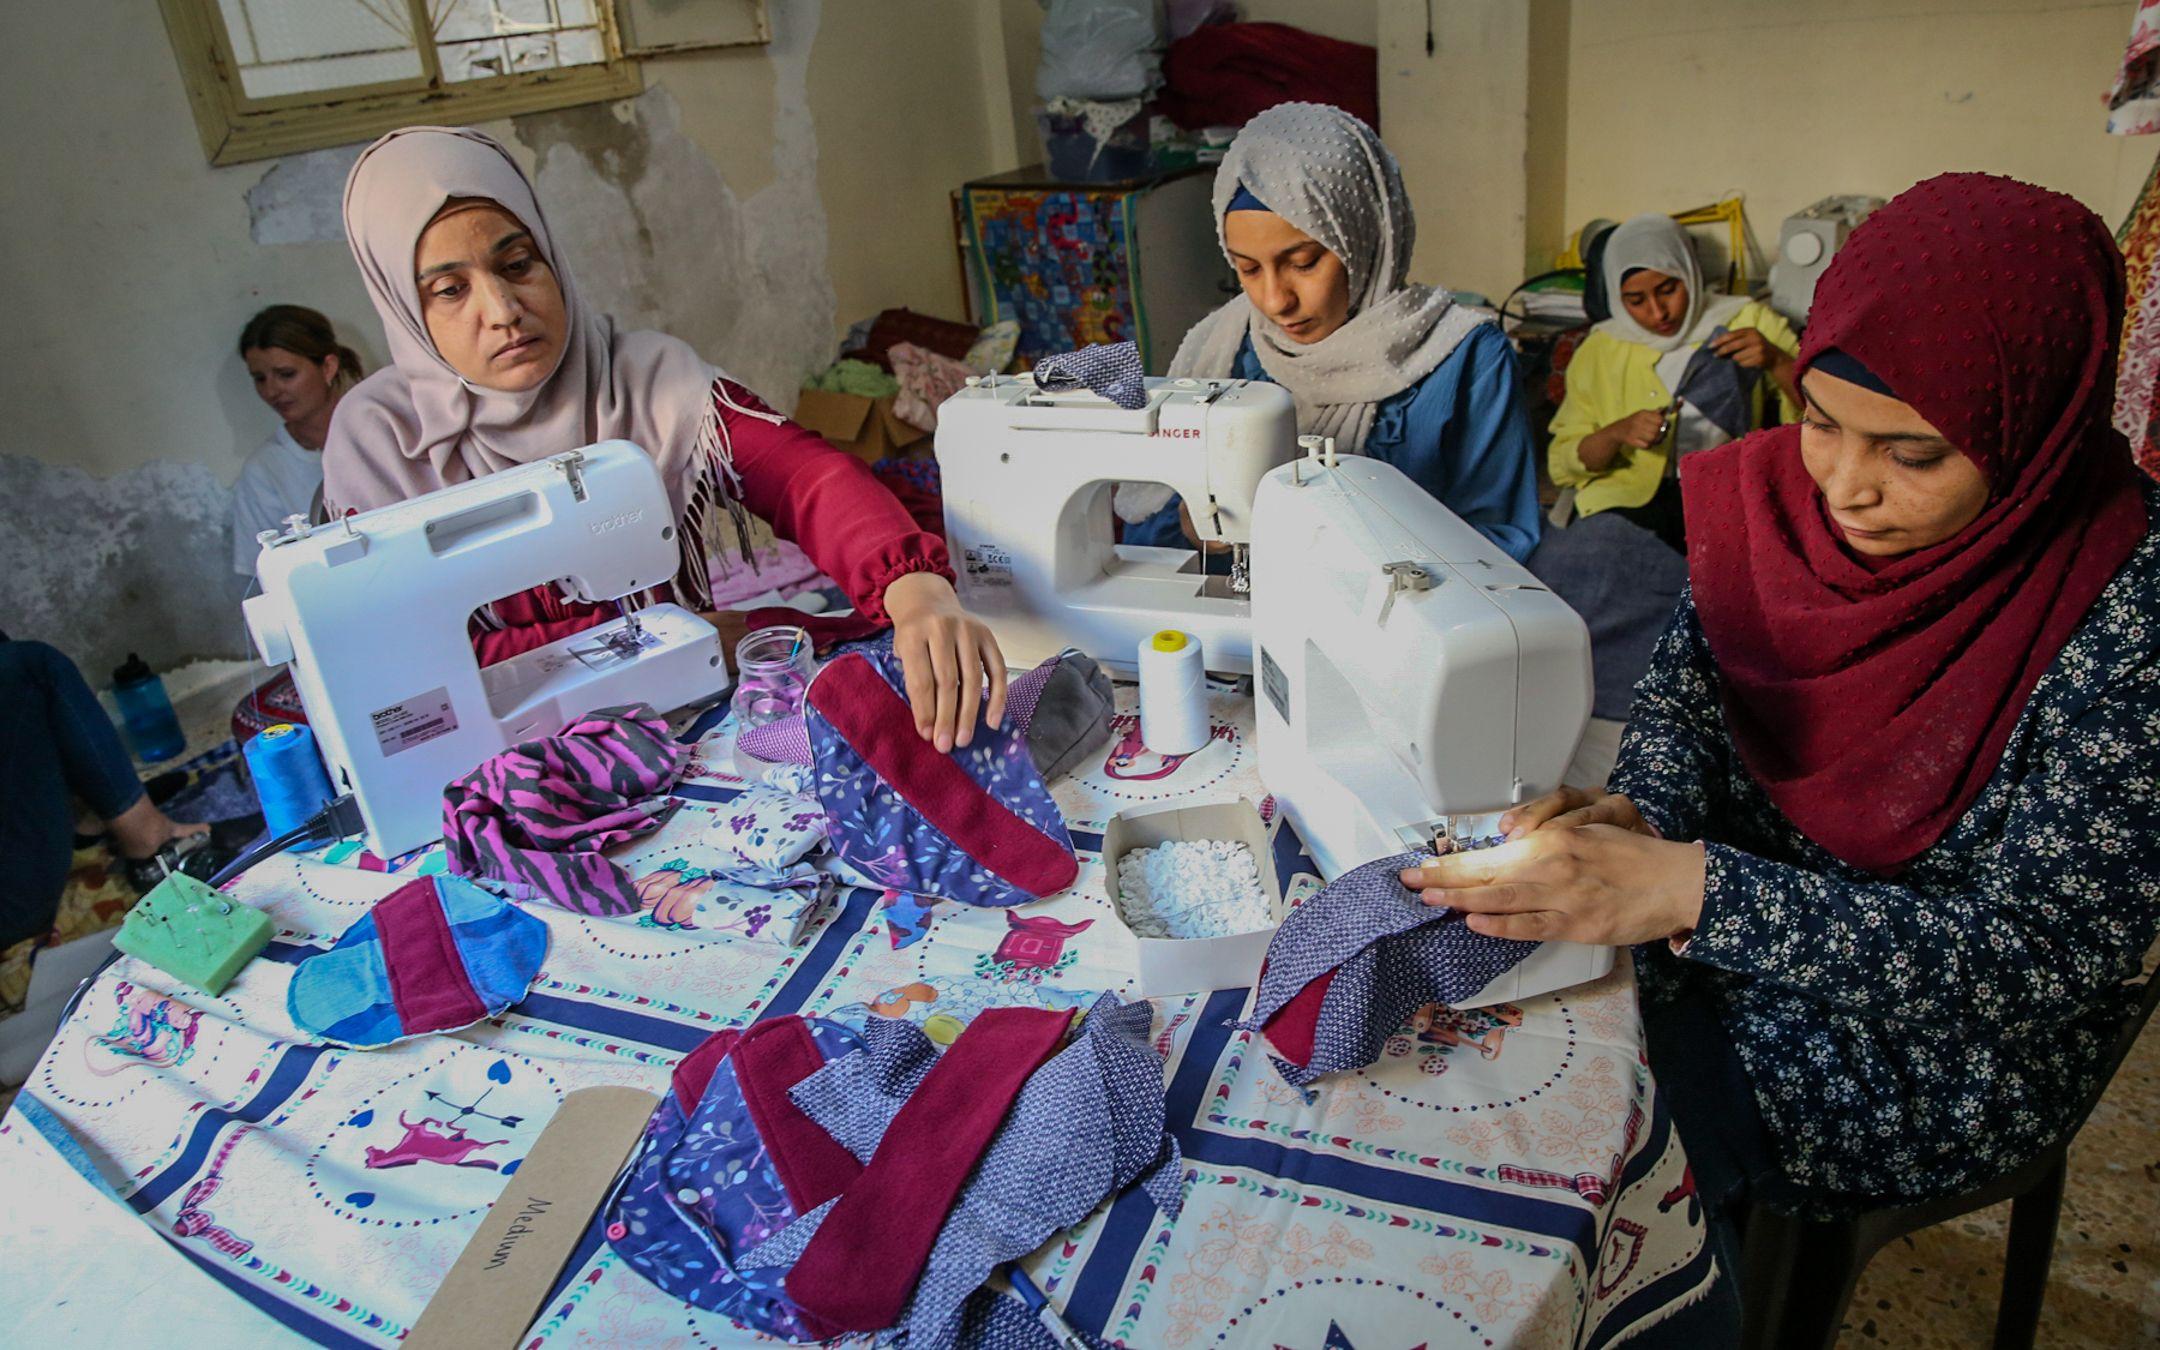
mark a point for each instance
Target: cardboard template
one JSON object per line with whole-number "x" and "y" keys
{"x": 501, "y": 1279}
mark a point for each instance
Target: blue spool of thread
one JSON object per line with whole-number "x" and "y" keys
{"x": 290, "y": 781}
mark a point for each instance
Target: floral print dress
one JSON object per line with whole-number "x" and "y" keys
{"x": 1922, "y": 1034}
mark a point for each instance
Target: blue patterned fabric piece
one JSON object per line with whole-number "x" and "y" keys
{"x": 1719, "y": 388}
{"x": 887, "y": 841}
{"x": 344, "y": 995}
{"x": 1111, "y": 369}
{"x": 1391, "y": 953}
{"x": 1086, "y": 1125}
{"x": 701, "y": 1191}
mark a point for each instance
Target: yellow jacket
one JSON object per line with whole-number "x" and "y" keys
{"x": 1610, "y": 377}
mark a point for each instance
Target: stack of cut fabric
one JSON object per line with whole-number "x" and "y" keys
{"x": 811, "y": 1178}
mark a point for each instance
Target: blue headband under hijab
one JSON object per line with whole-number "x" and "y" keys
{"x": 1844, "y": 366}
{"x": 1245, "y": 201}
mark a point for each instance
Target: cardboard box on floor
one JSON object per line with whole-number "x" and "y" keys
{"x": 865, "y": 427}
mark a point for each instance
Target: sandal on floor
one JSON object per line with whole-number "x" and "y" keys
{"x": 181, "y": 855}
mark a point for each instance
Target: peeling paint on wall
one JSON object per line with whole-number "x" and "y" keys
{"x": 659, "y": 239}
{"x": 100, "y": 567}
{"x": 300, "y": 199}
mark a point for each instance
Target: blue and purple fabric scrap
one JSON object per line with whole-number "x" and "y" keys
{"x": 1350, "y": 965}
{"x": 1111, "y": 369}
{"x": 702, "y": 1190}
{"x": 1089, "y": 1123}
{"x": 975, "y": 825}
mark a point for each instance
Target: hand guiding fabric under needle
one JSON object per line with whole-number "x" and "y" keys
{"x": 1588, "y": 883}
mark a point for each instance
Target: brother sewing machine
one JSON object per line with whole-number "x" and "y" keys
{"x": 1028, "y": 475}
{"x": 1413, "y": 680}
{"x": 371, "y": 611}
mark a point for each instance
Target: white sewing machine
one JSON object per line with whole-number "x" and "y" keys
{"x": 1027, "y": 481}
{"x": 371, "y": 611}
{"x": 1413, "y": 679}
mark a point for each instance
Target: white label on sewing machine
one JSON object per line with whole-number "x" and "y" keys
{"x": 416, "y": 721}
{"x": 988, "y": 565}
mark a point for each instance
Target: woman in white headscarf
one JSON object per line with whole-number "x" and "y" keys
{"x": 1310, "y": 210}
{"x": 1674, "y": 370}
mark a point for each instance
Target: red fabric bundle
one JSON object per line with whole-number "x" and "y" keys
{"x": 1226, "y": 74}
{"x": 1872, "y": 698}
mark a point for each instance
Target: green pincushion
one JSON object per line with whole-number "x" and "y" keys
{"x": 193, "y": 933}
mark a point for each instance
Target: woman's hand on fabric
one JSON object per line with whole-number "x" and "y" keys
{"x": 1749, "y": 349}
{"x": 1569, "y": 807}
{"x": 946, "y": 655}
{"x": 1598, "y": 884}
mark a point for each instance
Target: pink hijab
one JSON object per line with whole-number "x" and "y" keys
{"x": 416, "y": 425}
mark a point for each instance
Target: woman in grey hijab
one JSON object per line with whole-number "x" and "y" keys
{"x": 1310, "y": 211}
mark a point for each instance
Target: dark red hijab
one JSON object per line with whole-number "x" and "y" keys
{"x": 1873, "y": 702}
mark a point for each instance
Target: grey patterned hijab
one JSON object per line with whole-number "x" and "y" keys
{"x": 1327, "y": 173}
{"x": 1659, "y": 244}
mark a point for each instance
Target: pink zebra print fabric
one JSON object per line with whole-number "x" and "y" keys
{"x": 531, "y": 823}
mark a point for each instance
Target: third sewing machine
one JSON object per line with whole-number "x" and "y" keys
{"x": 1027, "y": 475}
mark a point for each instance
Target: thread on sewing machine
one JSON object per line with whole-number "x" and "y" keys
{"x": 1173, "y": 694}
{"x": 289, "y": 777}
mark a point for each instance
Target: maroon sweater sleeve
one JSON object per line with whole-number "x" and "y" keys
{"x": 829, "y": 504}
{"x": 532, "y": 619}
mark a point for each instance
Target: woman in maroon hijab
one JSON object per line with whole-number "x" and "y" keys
{"x": 1888, "y": 786}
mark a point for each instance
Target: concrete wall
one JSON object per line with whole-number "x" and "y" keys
{"x": 1674, "y": 102}
{"x": 752, "y": 201}
{"x": 1459, "y": 121}
{"x": 1533, "y": 116}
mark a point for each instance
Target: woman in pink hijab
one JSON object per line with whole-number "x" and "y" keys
{"x": 495, "y": 362}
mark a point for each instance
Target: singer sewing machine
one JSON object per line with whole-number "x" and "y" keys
{"x": 1413, "y": 680}
{"x": 372, "y": 610}
{"x": 1028, "y": 476}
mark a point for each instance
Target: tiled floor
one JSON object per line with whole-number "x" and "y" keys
{"x": 1936, "y": 1290}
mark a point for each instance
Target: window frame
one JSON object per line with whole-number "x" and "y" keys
{"x": 235, "y": 128}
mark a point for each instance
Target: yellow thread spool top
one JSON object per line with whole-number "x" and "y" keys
{"x": 1169, "y": 640}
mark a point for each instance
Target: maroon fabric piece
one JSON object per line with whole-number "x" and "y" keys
{"x": 1872, "y": 698}
{"x": 895, "y": 326}
{"x": 771, "y": 1058}
{"x": 1292, "y": 1028}
{"x": 428, "y": 982}
{"x": 694, "y": 1071}
{"x": 876, "y": 720}
{"x": 859, "y": 1270}
{"x": 825, "y": 632}
{"x": 1224, "y": 75}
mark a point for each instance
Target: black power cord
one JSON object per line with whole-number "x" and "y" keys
{"x": 335, "y": 821}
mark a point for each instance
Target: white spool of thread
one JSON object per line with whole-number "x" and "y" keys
{"x": 1173, "y": 694}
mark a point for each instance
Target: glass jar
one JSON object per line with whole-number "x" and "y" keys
{"x": 772, "y": 669}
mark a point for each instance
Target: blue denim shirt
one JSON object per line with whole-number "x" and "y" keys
{"x": 1460, "y": 433}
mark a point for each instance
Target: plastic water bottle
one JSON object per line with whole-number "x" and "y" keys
{"x": 146, "y": 714}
